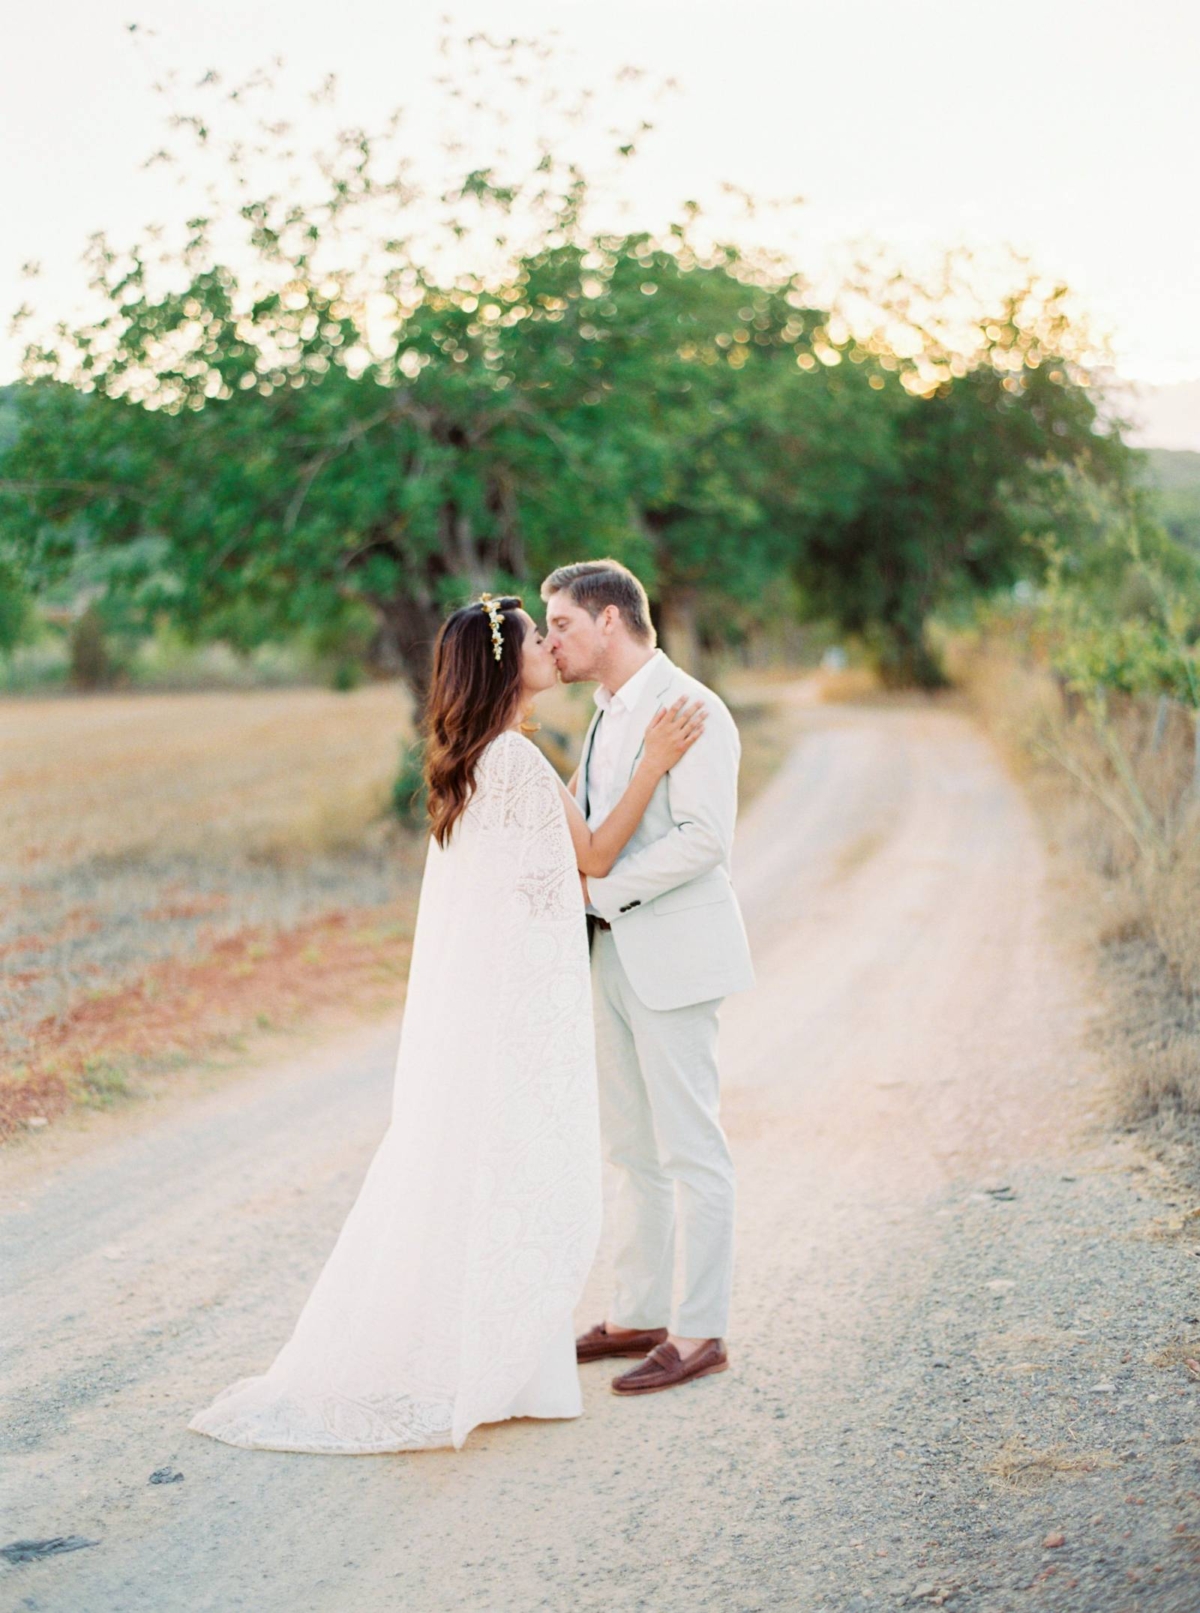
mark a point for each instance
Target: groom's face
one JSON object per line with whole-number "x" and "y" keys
{"x": 574, "y": 638}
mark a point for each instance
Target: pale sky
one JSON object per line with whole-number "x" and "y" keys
{"x": 1068, "y": 129}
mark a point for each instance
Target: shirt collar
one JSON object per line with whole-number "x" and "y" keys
{"x": 630, "y": 692}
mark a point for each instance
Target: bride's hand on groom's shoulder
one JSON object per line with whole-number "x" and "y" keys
{"x": 671, "y": 732}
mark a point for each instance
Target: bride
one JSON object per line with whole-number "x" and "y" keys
{"x": 448, "y": 1298}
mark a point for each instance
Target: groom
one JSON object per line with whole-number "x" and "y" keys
{"x": 668, "y": 944}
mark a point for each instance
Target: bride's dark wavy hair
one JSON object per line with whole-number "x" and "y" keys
{"x": 472, "y": 698}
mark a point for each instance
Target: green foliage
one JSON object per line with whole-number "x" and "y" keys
{"x": 1118, "y": 620}
{"x": 1129, "y": 620}
{"x": 347, "y": 676}
{"x": 408, "y": 787}
{"x": 976, "y": 458}
{"x": 104, "y": 1083}
{"x": 15, "y": 608}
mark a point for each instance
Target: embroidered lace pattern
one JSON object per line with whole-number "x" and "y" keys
{"x": 467, "y": 1248}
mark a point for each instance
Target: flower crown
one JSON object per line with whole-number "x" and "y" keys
{"x": 493, "y": 615}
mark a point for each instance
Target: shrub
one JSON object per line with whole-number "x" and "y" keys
{"x": 347, "y": 676}
{"x": 408, "y": 787}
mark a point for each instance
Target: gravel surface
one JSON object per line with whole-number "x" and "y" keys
{"x": 964, "y": 1303}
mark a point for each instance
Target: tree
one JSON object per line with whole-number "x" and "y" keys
{"x": 682, "y": 407}
{"x": 289, "y": 466}
{"x": 988, "y": 447}
{"x": 288, "y": 469}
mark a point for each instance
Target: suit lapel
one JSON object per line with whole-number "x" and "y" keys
{"x": 582, "y": 797}
{"x": 635, "y": 731}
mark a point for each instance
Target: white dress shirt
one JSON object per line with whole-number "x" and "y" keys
{"x": 604, "y": 788}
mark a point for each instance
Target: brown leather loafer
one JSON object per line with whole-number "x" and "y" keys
{"x": 595, "y": 1344}
{"x": 663, "y": 1368}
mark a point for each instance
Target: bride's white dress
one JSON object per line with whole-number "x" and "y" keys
{"x": 448, "y": 1298}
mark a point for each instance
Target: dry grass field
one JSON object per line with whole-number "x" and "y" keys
{"x": 182, "y": 871}
{"x": 161, "y": 855}
{"x": 271, "y": 772}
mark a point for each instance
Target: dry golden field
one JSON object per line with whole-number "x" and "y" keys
{"x": 269, "y": 772}
{"x": 158, "y": 852}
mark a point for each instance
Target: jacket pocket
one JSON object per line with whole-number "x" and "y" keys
{"x": 696, "y": 893}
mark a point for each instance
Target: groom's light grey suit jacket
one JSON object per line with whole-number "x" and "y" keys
{"x": 675, "y": 919}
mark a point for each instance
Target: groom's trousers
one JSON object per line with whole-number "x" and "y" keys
{"x": 662, "y": 1134}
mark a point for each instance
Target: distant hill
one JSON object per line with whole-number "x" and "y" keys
{"x": 1174, "y": 468}
{"x": 1175, "y": 473}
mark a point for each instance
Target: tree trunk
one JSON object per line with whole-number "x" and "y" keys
{"x": 91, "y": 665}
{"x": 678, "y": 632}
{"x": 904, "y": 658}
{"x": 404, "y": 643}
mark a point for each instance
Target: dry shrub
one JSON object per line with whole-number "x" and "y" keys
{"x": 1018, "y": 1467}
{"x": 1154, "y": 1031}
{"x": 1177, "y": 1354}
{"x": 1132, "y": 849}
{"x": 1015, "y": 700}
{"x": 1175, "y": 908}
{"x": 848, "y": 685}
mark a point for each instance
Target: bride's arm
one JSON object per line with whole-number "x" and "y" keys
{"x": 671, "y": 732}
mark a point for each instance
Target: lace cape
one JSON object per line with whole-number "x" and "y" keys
{"x": 478, "y": 1219}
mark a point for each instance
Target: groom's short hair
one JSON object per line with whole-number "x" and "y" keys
{"x": 593, "y": 584}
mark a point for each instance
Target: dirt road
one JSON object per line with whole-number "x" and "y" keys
{"x": 961, "y": 1312}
